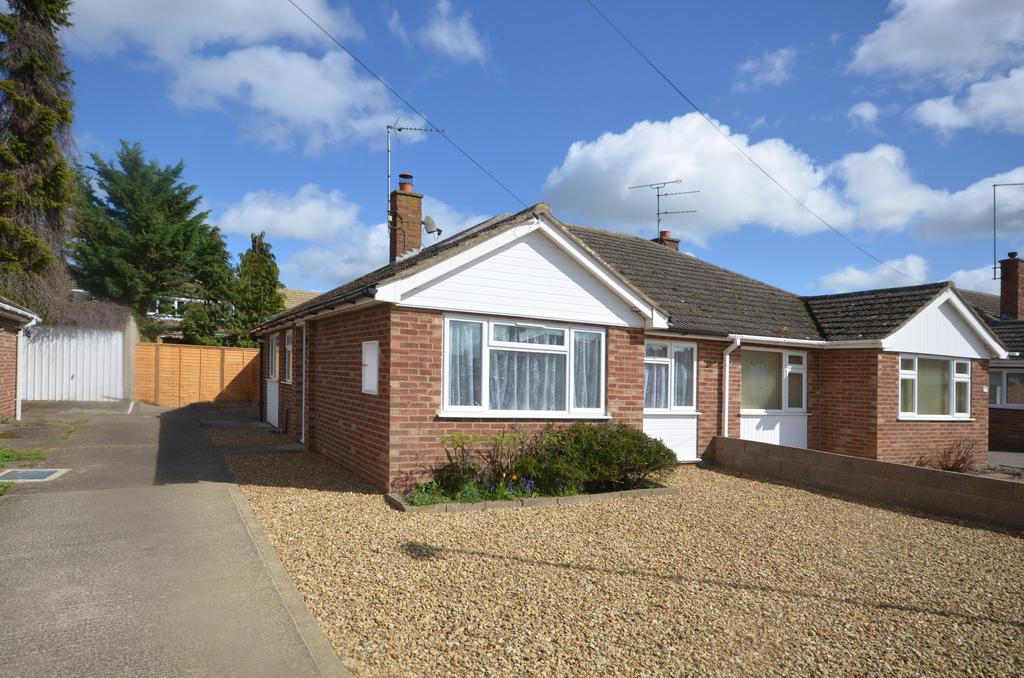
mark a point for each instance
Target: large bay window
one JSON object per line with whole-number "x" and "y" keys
{"x": 1006, "y": 388}
{"x": 774, "y": 380}
{"x": 522, "y": 368}
{"x": 933, "y": 387}
{"x": 670, "y": 376}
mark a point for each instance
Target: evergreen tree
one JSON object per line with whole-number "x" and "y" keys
{"x": 142, "y": 238}
{"x": 258, "y": 289}
{"x": 36, "y": 181}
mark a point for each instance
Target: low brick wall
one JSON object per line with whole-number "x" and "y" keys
{"x": 943, "y": 493}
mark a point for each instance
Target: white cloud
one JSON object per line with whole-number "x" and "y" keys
{"x": 955, "y": 41}
{"x": 308, "y": 214}
{"x": 871, "y": 190}
{"x": 173, "y": 29}
{"x": 864, "y": 114}
{"x": 979, "y": 279}
{"x": 771, "y": 68}
{"x": 883, "y": 275}
{"x": 226, "y": 54}
{"x": 453, "y": 35}
{"x": 834, "y": 38}
{"x": 995, "y": 104}
{"x": 322, "y": 268}
{"x": 288, "y": 94}
{"x": 397, "y": 28}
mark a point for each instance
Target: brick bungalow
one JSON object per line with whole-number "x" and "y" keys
{"x": 1004, "y": 314}
{"x": 525, "y": 320}
{"x": 13, "y": 321}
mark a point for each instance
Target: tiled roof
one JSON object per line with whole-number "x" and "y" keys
{"x": 1012, "y": 334}
{"x": 872, "y": 314}
{"x": 701, "y": 298}
{"x": 987, "y": 305}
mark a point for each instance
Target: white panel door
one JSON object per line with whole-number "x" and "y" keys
{"x": 678, "y": 431}
{"x": 272, "y": 401}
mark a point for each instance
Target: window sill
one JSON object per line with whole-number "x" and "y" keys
{"x": 273, "y": 379}
{"x": 937, "y": 417}
{"x": 671, "y": 413}
{"x": 490, "y": 414}
{"x": 286, "y": 381}
{"x": 771, "y": 413}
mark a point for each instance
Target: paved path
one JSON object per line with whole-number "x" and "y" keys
{"x": 144, "y": 559}
{"x": 1006, "y": 458}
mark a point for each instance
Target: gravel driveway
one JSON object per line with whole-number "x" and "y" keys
{"x": 732, "y": 576}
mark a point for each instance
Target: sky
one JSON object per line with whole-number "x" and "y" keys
{"x": 891, "y": 121}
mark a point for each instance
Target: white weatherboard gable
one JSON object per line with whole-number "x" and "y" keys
{"x": 530, "y": 271}
{"x": 945, "y": 327}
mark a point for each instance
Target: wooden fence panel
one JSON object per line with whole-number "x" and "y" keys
{"x": 174, "y": 375}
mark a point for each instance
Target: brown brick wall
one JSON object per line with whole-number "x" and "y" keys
{"x": 8, "y": 370}
{"x": 845, "y": 420}
{"x": 1006, "y": 429}
{"x": 343, "y": 423}
{"x": 416, "y": 341}
{"x": 905, "y": 441}
{"x": 709, "y": 391}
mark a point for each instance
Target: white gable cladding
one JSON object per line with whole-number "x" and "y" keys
{"x": 940, "y": 329}
{"x": 530, "y": 277}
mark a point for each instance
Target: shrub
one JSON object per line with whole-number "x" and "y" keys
{"x": 502, "y": 456}
{"x": 460, "y": 468}
{"x": 958, "y": 457}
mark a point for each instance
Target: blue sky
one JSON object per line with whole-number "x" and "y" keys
{"x": 891, "y": 119}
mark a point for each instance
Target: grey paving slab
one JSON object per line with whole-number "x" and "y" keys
{"x": 996, "y": 458}
{"x": 145, "y": 560}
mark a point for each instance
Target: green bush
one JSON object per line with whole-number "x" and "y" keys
{"x": 556, "y": 462}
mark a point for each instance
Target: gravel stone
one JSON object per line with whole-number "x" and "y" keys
{"x": 257, "y": 437}
{"x": 731, "y": 576}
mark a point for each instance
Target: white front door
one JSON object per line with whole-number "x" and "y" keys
{"x": 678, "y": 431}
{"x": 272, "y": 402}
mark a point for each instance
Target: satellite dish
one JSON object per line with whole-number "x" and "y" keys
{"x": 430, "y": 225}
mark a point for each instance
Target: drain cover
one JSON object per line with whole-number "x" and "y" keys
{"x": 31, "y": 474}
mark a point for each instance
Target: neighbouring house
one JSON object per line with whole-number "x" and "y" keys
{"x": 1004, "y": 314}
{"x": 13, "y": 321}
{"x": 524, "y": 320}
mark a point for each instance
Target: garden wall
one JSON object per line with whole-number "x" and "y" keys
{"x": 956, "y": 495}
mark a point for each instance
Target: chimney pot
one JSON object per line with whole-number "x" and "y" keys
{"x": 665, "y": 238}
{"x": 405, "y": 182}
{"x": 666, "y": 234}
{"x": 1013, "y": 255}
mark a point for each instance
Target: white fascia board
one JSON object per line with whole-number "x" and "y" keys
{"x": 394, "y": 291}
{"x": 983, "y": 332}
{"x": 779, "y": 341}
{"x": 23, "y": 318}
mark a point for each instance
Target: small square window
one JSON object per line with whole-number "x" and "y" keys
{"x": 796, "y": 359}
{"x": 963, "y": 368}
{"x": 907, "y": 364}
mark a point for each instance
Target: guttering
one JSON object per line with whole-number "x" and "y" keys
{"x": 737, "y": 339}
{"x": 21, "y": 316}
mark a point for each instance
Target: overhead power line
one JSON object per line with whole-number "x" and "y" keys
{"x": 739, "y": 148}
{"x": 408, "y": 104}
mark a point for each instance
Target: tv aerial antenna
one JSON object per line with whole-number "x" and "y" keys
{"x": 995, "y": 253}
{"x": 396, "y": 128}
{"x": 658, "y": 187}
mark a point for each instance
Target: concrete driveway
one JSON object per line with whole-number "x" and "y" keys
{"x": 144, "y": 558}
{"x": 996, "y": 458}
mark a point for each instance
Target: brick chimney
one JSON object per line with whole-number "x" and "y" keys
{"x": 665, "y": 238}
{"x": 405, "y": 229}
{"x": 1011, "y": 293}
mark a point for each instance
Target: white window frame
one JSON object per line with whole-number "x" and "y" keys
{"x": 954, "y": 378}
{"x": 1002, "y": 404}
{"x": 289, "y": 356}
{"x": 670, "y": 361}
{"x": 371, "y": 370}
{"x": 786, "y": 370}
{"x": 272, "y": 356}
{"x": 488, "y": 342}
